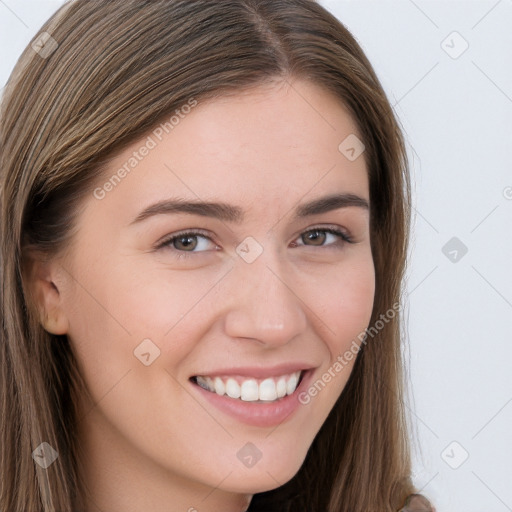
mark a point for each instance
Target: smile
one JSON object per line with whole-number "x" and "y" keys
{"x": 249, "y": 389}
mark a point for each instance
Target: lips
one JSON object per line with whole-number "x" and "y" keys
{"x": 255, "y": 404}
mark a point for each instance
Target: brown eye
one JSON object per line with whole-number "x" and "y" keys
{"x": 316, "y": 237}
{"x": 185, "y": 242}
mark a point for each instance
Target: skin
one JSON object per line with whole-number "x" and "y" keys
{"x": 148, "y": 444}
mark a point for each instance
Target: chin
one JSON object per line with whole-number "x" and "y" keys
{"x": 262, "y": 477}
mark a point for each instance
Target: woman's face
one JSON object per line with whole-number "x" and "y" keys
{"x": 258, "y": 293}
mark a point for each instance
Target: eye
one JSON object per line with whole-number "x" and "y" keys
{"x": 319, "y": 235}
{"x": 186, "y": 242}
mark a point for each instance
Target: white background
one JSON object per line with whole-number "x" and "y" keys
{"x": 456, "y": 111}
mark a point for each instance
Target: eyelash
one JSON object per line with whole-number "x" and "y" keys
{"x": 167, "y": 243}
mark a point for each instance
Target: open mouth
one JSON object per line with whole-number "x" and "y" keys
{"x": 249, "y": 389}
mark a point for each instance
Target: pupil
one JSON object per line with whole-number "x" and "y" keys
{"x": 187, "y": 241}
{"x": 316, "y": 237}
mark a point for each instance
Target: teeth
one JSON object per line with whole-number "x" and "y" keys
{"x": 202, "y": 382}
{"x": 232, "y": 389}
{"x": 291, "y": 385}
{"x": 220, "y": 388}
{"x": 251, "y": 390}
{"x": 268, "y": 390}
{"x": 281, "y": 387}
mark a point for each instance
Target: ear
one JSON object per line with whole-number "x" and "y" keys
{"x": 44, "y": 283}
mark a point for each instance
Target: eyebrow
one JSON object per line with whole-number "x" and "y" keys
{"x": 231, "y": 213}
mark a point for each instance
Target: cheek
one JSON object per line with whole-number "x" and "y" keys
{"x": 356, "y": 301}
{"x": 155, "y": 301}
{"x": 125, "y": 306}
{"x": 344, "y": 305}
{"x": 343, "y": 301}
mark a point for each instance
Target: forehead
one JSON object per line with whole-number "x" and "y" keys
{"x": 268, "y": 146}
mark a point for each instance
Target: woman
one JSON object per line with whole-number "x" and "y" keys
{"x": 205, "y": 213}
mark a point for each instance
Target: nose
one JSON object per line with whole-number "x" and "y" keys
{"x": 263, "y": 304}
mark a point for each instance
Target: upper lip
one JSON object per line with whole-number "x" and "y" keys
{"x": 258, "y": 372}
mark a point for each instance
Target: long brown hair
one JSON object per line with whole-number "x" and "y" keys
{"x": 107, "y": 73}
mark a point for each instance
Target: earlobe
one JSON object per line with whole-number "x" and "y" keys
{"x": 53, "y": 318}
{"x": 43, "y": 284}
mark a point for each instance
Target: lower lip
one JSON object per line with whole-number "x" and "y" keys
{"x": 258, "y": 414}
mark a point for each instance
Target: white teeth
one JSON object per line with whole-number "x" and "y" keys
{"x": 220, "y": 388}
{"x": 281, "y": 387}
{"x": 250, "y": 390}
{"x": 291, "y": 385}
{"x": 233, "y": 389}
{"x": 268, "y": 390}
